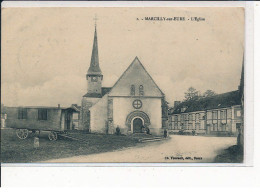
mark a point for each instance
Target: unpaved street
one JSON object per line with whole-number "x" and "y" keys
{"x": 176, "y": 149}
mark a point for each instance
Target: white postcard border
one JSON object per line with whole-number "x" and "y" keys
{"x": 18, "y": 175}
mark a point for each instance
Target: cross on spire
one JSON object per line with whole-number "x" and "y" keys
{"x": 95, "y": 18}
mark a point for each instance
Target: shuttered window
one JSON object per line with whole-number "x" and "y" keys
{"x": 190, "y": 126}
{"x": 22, "y": 113}
{"x": 215, "y": 114}
{"x": 224, "y": 127}
{"x": 182, "y": 117}
{"x": 223, "y": 114}
{"x": 215, "y": 127}
{"x": 197, "y": 126}
{"x": 197, "y": 116}
{"x": 42, "y": 114}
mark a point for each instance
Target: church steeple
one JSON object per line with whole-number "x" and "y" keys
{"x": 94, "y": 68}
{"x": 94, "y": 74}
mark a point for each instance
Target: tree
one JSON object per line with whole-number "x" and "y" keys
{"x": 209, "y": 93}
{"x": 191, "y": 94}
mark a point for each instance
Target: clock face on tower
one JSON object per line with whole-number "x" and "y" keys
{"x": 94, "y": 79}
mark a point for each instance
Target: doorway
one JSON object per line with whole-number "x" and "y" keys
{"x": 137, "y": 125}
{"x": 68, "y": 120}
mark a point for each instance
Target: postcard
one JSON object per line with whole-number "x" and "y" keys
{"x": 93, "y": 85}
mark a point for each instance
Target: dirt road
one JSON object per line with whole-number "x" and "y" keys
{"x": 176, "y": 149}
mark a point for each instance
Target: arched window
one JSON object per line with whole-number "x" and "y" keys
{"x": 141, "y": 90}
{"x": 132, "y": 92}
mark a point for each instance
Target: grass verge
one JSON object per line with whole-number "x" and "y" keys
{"x": 233, "y": 154}
{"x": 14, "y": 150}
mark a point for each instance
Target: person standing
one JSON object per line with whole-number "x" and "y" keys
{"x": 117, "y": 130}
{"x": 148, "y": 131}
{"x": 165, "y": 134}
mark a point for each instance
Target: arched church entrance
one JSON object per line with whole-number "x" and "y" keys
{"x": 137, "y": 125}
{"x": 135, "y": 120}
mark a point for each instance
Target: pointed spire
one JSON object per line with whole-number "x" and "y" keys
{"x": 94, "y": 68}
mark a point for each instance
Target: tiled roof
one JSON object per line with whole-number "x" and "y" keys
{"x": 104, "y": 91}
{"x": 75, "y": 107}
{"x": 218, "y": 101}
{"x": 93, "y": 95}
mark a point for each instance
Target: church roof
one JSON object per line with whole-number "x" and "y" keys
{"x": 93, "y": 95}
{"x": 215, "y": 102}
{"x": 136, "y": 62}
{"x": 94, "y": 68}
{"x": 104, "y": 91}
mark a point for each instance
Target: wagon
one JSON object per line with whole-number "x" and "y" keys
{"x": 54, "y": 120}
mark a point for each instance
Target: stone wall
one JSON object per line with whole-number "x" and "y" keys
{"x": 86, "y": 104}
{"x": 94, "y": 87}
{"x": 98, "y": 115}
{"x": 122, "y": 107}
{"x": 110, "y": 123}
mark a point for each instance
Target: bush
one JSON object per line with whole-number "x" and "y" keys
{"x": 181, "y": 132}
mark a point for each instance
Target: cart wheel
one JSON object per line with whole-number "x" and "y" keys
{"x": 53, "y": 136}
{"x": 22, "y": 133}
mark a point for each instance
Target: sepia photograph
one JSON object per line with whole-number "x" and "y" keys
{"x": 122, "y": 85}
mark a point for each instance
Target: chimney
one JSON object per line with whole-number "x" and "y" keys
{"x": 176, "y": 103}
{"x": 58, "y": 105}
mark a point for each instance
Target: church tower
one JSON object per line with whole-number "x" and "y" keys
{"x": 94, "y": 94}
{"x": 94, "y": 75}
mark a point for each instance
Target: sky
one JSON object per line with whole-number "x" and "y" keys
{"x": 46, "y": 51}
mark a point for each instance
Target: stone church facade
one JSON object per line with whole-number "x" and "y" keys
{"x": 133, "y": 102}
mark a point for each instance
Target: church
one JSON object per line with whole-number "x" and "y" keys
{"x": 133, "y": 102}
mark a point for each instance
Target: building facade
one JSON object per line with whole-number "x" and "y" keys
{"x": 42, "y": 118}
{"x": 216, "y": 115}
{"x": 134, "y": 102}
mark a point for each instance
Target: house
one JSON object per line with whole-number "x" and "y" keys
{"x": 42, "y": 117}
{"x": 133, "y": 102}
{"x": 216, "y": 115}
